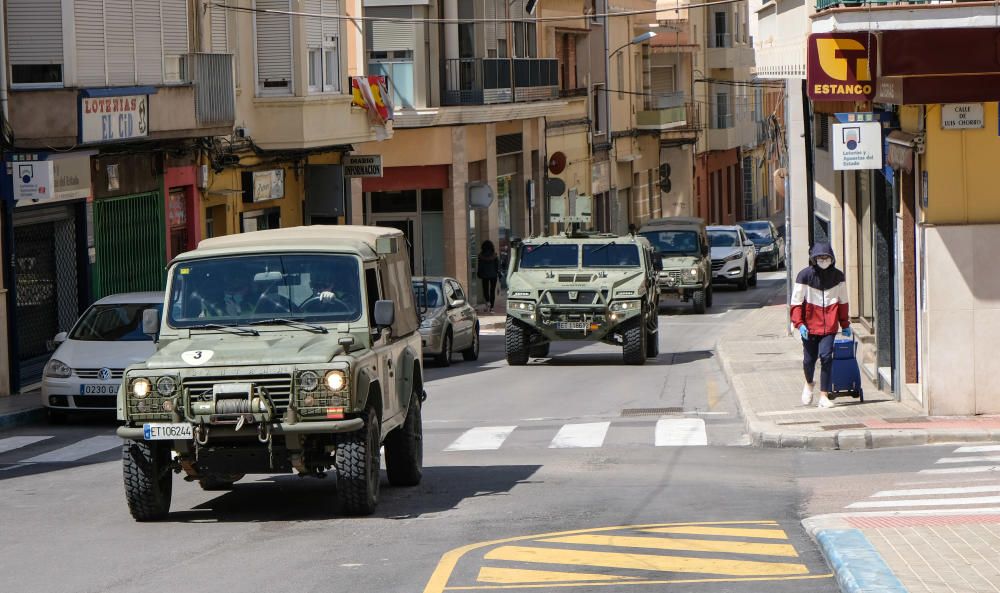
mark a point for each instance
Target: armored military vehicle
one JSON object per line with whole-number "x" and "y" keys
{"x": 683, "y": 246}
{"x": 291, "y": 350}
{"x": 582, "y": 287}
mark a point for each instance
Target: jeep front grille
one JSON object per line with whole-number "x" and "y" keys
{"x": 675, "y": 274}
{"x": 278, "y": 386}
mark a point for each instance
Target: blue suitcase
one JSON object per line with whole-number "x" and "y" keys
{"x": 845, "y": 373}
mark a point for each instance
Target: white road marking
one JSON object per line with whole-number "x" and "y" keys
{"x": 481, "y": 438}
{"x": 975, "y": 469}
{"x": 936, "y": 491}
{"x": 580, "y": 435}
{"x": 978, "y": 449}
{"x": 11, "y": 443}
{"x": 970, "y": 459}
{"x": 925, "y": 502}
{"x": 78, "y": 450}
{"x": 680, "y": 432}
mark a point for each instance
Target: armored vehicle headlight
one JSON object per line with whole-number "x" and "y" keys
{"x": 165, "y": 386}
{"x": 624, "y": 305}
{"x": 141, "y": 388}
{"x": 335, "y": 380}
{"x": 308, "y": 381}
{"x": 521, "y": 293}
{"x": 626, "y": 293}
{"x": 523, "y": 306}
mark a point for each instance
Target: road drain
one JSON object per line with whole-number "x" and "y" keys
{"x": 650, "y": 411}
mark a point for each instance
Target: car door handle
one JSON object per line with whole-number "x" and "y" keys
{"x": 389, "y": 363}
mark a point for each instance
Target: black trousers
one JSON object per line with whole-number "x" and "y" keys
{"x": 490, "y": 290}
{"x": 819, "y": 348}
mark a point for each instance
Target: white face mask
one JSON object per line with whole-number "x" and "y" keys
{"x": 824, "y": 263}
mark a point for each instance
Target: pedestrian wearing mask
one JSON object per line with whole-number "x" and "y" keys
{"x": 819, "y": 312}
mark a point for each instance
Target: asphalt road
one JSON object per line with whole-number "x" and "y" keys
{"x": 574, "y": 473}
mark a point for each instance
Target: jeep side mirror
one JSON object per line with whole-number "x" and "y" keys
{"x": 385, "y": 314}
{"x": 150, "y": 322}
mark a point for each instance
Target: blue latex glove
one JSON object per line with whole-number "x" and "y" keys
{"x": 804, "y": 332}
{"x": 847, "y": 332}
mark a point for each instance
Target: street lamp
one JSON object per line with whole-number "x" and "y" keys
{"x": 635, "y": 41}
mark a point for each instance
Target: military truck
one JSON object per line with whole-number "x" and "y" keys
{"x": 582, "y": 287}
{"x": 279, "y": 351}
{"x": 682, "y": 245}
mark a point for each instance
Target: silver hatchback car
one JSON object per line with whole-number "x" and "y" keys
{"x": 449, "y": 323}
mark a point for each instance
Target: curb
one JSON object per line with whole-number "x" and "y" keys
{"x": 32, "y": 416}
{"x": 858, "y": 567}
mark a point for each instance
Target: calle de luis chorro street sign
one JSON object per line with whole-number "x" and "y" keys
{"x": 841, "y": 66}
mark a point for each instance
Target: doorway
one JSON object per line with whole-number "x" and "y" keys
{"x": 408, "y": 225}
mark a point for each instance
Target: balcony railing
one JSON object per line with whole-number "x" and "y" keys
{"x": 487, "y": 81}
{"x": 214, "y": 86}
{"x": 683, "y": 116}
{"x": 825, "y": 4}
{"x": 723, "y": 40}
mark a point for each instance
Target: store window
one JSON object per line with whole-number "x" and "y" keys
{"x": 260, "y": 220}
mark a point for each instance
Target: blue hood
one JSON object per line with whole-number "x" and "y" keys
{"x": 821, "y": 249}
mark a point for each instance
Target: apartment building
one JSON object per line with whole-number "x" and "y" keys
{"x": 105, "y": 104}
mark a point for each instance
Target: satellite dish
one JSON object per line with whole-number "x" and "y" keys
{"x": 557, "y": 163}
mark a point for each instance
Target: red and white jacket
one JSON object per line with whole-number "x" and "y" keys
{"x": 819, "y": 301}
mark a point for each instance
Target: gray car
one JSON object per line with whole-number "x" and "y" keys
{"x": 448, "y": 323}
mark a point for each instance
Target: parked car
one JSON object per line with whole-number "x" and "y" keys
{"x": 86, "y": 368}
{"x": 734, "y": 258}
{"x": 449, "y": 323}
{"x": 767, "y": 241}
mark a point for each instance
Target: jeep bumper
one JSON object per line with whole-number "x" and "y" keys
{"x": 135, "y": 433}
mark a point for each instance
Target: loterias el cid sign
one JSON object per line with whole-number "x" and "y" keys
{"x": 841, "y": 66}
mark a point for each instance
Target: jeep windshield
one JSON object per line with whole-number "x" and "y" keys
{"x": 253, "y": 289}
{"x": 610, "y": 255}
{"x": 673, "y": 242}
{"x": 548, "y": 255}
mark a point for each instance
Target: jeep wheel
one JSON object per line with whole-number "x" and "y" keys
{"x": 744, "y": 282}
{"x": 698, "y": 300}
{"x": 516, "y": 343}
{"x": 219, "y": 483}
{"x": 634, "y": 351}
{"x": 148, "y": 479}
{"x": 539, "y": 350}
{"x": 472, "y": 352}
{"x": 357, "y": 464}
{"x": 652, "y": 344}
{"x": 404, "y": 448}
{"x": 709, "y": 292}
{"x": 444, "y": 359}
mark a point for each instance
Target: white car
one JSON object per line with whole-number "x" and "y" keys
{"x": 734, "y": 259}
{"x": 86, "y": 369}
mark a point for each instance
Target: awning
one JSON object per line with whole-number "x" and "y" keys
{"x": 900, "y": 150}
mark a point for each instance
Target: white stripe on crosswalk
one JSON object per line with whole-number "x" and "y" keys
{"x": 11, "y": 443}
{"x": 936, "y": 491}
{"x": 571, "y": 436}
{"x": 78, "y": 450}
{"x": 924, "y": 502}
{"x": 970, "y": 459}
{"x": 978, "y": 449}
{"x": 481, "y": 438}
{"x": 680, "y": 432}
{"x": 975, "y": 469}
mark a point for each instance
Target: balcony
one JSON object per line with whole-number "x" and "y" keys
{"x": 898, "y": 15}
{"x": 489, "y": 81}
{"x": 665, "y": 112}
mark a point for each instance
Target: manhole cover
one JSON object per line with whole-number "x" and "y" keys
{"x": 800, "y": 422}
{"x": 841, "y": 426}
{"x": 650, "y": 411}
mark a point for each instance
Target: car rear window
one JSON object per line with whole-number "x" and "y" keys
{"x": 113, "y": 323}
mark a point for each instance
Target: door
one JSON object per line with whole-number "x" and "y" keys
{"x": 130, "y": 244}
{"x": 463, "y": 318}
{"x": 382, "y": 344}
{"x": 407, "y": 224}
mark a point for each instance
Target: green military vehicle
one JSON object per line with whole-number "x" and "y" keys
{"x": 682, "y": 245}
{"x": 290, "y": 350}
{"x": 583, "y": 287}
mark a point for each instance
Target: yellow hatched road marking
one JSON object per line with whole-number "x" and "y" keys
{"x": 645, "y": 561}
{"x": 808, "y": 577}
{"x": 663, "y": 543}
{"x": 730, "y": 531}
{"x": 489, "y": 574}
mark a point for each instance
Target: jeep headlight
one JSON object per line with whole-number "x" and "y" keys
{"x": 335, "y": 380}
{"x": 308, "y": 381}
{"x": 522, "y": 306}
{"x": 57, "y": 369}
{"x": 693, "y": 273}
{"x": 141, "y": 387}
{"x": 625, "y": 305}
{"x": 165, "y": 386}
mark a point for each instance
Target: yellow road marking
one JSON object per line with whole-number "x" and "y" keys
{"x": 645, "y": 561}
{"x": 712, "y": 394}
{"x": 810, "y": 577}
{"x": 730, "y": 531}
{"x": 664, "y": 543}
{"x": 489, "y": 574}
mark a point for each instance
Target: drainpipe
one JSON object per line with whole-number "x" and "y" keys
{"x": 3, "y": 61}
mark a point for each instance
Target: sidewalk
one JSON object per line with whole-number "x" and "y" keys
{"x": 764, "y": 368}
{"x": 22, "y": 408}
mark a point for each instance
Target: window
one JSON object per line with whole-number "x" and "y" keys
{"x": 721, "y": 38}
{"x": 322, "y": 41}
{"x": 324, "y": 70}
{"x": 609, "y": 255}
{"x": 372, "y": 290}
{"x": 35, "y": 42}
{"x": 113, "y": 323}
{"x": 273, "y": 34}
{"x": 546, "y": 255}
{"x": 821, "y": 131}
{"x": 390, "y": 46}
{"x": 525, "y": 40}
{"x": 466, "y": 29}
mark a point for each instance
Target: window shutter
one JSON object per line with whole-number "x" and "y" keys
{"x": 88, "y": 16}
{"x": 331, "y": 27}
{"x": 274, "y": 46}
{"x": 175, "y": 27}
{"x": 662, "y": 80}
{"x": 120, "y": 39}
{"x": 491, "y": 28}
{"x": 35, "y": 31}
{"x": 394, "y": 35}
{"x": 314, "y": 25}
{"x": 220, "y": 30}
{"x": 148, "y": 45}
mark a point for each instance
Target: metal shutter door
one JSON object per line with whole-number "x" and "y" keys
{"x": 34, "y": 29}
{"x": 174, "y": 17}
{"x": 89, "y": 22}
{"x": 220, "y": 30}
{"x": 274, "y": 44}
{"x": 394, "y": 35}
{"x": 148, "y": 43}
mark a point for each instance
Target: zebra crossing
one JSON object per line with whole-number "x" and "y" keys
{"x": 966, "y": 480}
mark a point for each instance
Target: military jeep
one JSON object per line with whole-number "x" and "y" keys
{"x": 582, "y": 287}
{"x": 682, "y": 245}
{"x": 279, "y": 351}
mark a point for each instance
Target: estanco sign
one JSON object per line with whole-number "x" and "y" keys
{"x": 841, "y": 66}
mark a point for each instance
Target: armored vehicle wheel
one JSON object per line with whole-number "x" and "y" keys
{"x": 404, "y": 448}
{"x": 744, "y": 282}
{"x": 472, "y": 352}
{"x": 357, "y": 463}
{"x": 148, "y": 479}
{"x": 516, "y": 343}
{"x": 652, "y": 344}
{"x": 444, "y": 359}
{"x": 539, "y": 350}
{"x": 635, "y": 343}
{"x": 698, "y": 300}
{"x": 219, "y": 483}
